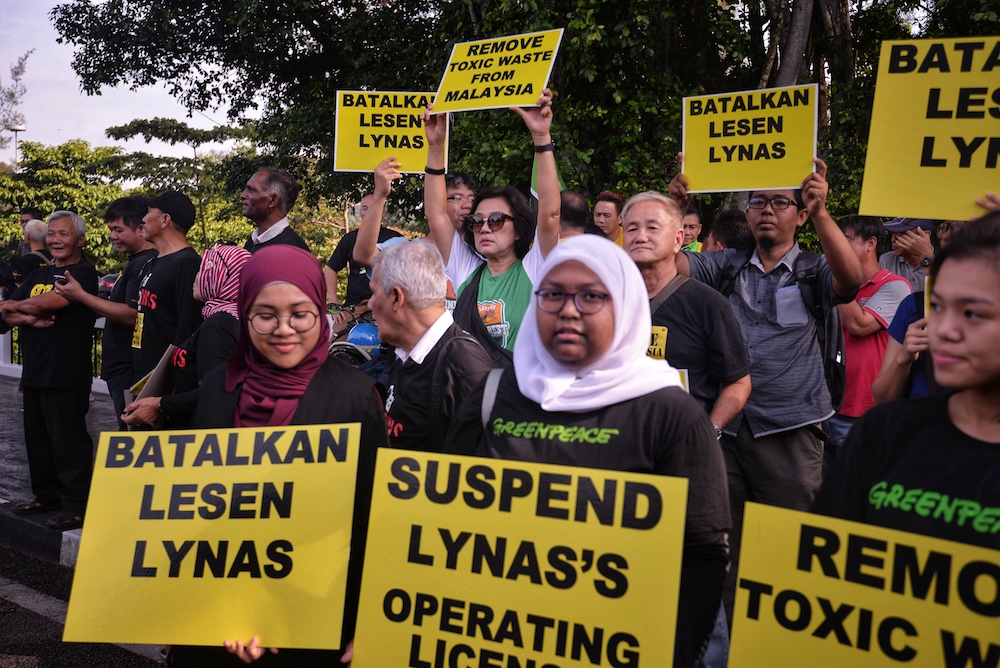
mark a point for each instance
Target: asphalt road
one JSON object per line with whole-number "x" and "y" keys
{"x": 33, "y": 598}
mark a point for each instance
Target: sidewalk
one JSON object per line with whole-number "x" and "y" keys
{"x": 28, "y": 533}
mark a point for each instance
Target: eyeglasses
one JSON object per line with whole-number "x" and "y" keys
{"x": 777, "y": 203}
{"x": 587, "y": 302}
{"x": 462, "y": 198}
{"x": 495, "y": 220}
{"x": 267, "y": 323}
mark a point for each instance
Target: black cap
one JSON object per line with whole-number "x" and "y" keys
{"x": 178, "y": 206}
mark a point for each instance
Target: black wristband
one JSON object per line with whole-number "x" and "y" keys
{"x": 551, "y": 146}
{"x": 435, "y": 172}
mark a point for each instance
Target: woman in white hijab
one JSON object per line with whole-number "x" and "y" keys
{"x": 583, "y": 393}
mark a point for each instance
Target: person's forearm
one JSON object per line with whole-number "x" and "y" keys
{"x": 365, "y": 245}
{"x": 857, "y": 321}
{"x": 844, "y": 263}
{"x": 732, "y": 398}
{"x": 890, "y": 384}
{"x": 42, "y": 305}
{"x": 548, "y": 195}
{"x": 117, "y": 312}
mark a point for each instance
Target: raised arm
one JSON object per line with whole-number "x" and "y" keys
{"x": 365, "y": 246}
{"x": 843, "y": 261}
{"x": 435, "y": 189}
{"x": 539, "y": 122}
{"x": 678, "y": 188}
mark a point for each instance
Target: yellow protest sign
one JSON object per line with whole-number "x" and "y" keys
{"x": 498, "y": 73}
{"x": 830, "y": 593}
{"x": 750, "y": 140}
{"x": 372, "y": 126}
{"x": 934, "y": 141}
{"x": 497, "y": 563}
{"x": 195, "y": 537}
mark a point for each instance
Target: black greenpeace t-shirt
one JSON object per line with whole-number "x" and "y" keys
{"x": 117, "y": 337}
{"x": 59, "y": 357}
{"x": 168, "y": 312}
{"x": 665, "y": 432}
{"x": 357, "y": 279}
{"x": 703, "y": 337}
{"x": 906, "y": 466}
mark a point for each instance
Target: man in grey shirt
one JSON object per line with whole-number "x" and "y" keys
{"x": 912, "y": 252}
{"x": 774, "y": 447}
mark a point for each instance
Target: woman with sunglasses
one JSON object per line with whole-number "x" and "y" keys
{"x": 281, "y": 374}
{"x": 496, "y": 259}
{"x": 580, "y": 363}
{"x": 909, "y": 464}
{"x": 216, "y": 285}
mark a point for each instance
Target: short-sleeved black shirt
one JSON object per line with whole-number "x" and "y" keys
{"x": 59, "y": 357}
{"x": 704, "y": 338}
{"x": 357, "y": 279}
{"x": 168, "y": 311}
{"x": 117, "y": 337}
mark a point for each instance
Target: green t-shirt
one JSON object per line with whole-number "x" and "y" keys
{"x": 503, "y": 301}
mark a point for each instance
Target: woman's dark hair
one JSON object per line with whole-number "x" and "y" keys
{"x": 977, "y": 240}
{"x": 524, "y": 222}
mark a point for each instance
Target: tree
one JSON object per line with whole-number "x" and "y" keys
{"x": 11, "y": 97}
{"x": 623, "y": 68}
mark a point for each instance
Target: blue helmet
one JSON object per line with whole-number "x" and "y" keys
{"x": 365, "y": 336}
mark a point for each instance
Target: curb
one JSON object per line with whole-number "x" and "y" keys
{"x": 28, "y": 534}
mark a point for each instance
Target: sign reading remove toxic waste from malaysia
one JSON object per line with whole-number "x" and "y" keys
{"x": 498, "y": 73}
{"x": 752, "y": 140}
{"x": 934, "y": 143}
{"x": 817, "y": 591}
{"x": 373, "y": 126}
{"x": 485, "y": 562}
{"x": 195, "y": 537}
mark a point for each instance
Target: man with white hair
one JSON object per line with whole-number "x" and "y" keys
{"x": 56, "y": 337}
{"x": 437, "y": 363}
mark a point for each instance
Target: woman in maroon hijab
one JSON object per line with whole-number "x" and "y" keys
{"x": 281, "y": 374}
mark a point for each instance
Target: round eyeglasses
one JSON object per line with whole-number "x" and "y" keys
{"x": 267, "y": 323}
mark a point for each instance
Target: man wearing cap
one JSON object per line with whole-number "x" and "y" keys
{"x": 124, "y": 218}
{"x": 56, "y": 337}
{"x": 912, "y": 252}
{"x": 267, "y": 198}
{"x": 168, "y": 312}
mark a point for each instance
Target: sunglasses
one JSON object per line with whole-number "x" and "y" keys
{"x": 495, "y": 220}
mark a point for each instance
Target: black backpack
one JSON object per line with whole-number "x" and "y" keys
{"x": 828, "y": 327}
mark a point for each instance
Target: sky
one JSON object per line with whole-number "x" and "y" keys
{"x": 56, "y": 110}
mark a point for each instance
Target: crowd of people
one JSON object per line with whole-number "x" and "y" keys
{"x": 711, "y": 348}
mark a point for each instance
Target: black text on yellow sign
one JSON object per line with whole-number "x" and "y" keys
{"x": 371, "y": 126}
{"x": 498, "y": 72}
{"x": 840, "y": 593}
{"x": 483, "y": 562}
{"x": 209, "y": 535}
{"x": 760, "y": 139}
{"x": 934, "y": 125}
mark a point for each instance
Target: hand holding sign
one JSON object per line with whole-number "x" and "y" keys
{"x": 815, "y": 189}
{"x": 678, "y": 188}
{"x": 386, "y": 172}
{"x": 247, "y": 653}
{"x": 538, "y": 119}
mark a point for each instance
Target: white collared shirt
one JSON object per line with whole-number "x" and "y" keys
{"x": 270, "y": 233}
{"x": 428, "y": 340}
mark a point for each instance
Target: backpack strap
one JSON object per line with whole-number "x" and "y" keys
{"x": 490, "y": 394}
{"x": 668, "y": 289}
{"x": 727, "y": 278}
{"x": 46, "y": 261}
